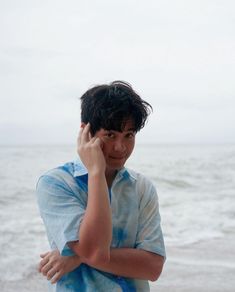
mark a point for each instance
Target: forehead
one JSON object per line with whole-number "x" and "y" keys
{"x": 127, "y": 127}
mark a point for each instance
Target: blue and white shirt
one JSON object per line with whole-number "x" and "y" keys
{"x": 62, "y": 199}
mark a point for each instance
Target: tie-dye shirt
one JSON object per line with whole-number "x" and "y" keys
{"x": 62, "y": 199}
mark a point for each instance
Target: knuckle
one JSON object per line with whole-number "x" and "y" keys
{"x": 59, "y": 266}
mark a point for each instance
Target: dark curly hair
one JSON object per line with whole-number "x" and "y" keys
{"x": 109, "y": 106}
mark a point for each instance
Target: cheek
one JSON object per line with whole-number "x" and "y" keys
{"x": 105, "y": 148}
{"x": 131, "y": 147}
{"x": 103, "y": 142}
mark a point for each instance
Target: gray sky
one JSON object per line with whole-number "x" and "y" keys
{"x": 179, "y": 55}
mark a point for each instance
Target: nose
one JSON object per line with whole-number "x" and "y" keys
{"x": 119, "y": 146}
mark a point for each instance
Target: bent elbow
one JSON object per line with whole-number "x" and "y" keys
{"x": 155, "y": 276}
{"x": 92, "y": 256}
{"x": 156, "y": 271}
{"x": 97, "y": 257}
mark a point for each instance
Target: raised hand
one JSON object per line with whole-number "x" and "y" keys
{"x": 90, "y": 151}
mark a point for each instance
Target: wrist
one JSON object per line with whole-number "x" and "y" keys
{"x": 96, "y": 174}
{"x": 77, "y": 260}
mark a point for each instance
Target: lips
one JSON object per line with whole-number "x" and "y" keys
{"x": 117, "y": 157}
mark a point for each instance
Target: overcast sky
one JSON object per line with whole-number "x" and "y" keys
{"x": 179, "y": 55}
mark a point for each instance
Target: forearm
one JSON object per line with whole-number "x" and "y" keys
{"x": 125, "y": 262}
{"x": 95, "y": 232}
{"x": 132, "y": 263}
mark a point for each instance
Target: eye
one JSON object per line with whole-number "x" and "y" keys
{"x": 130, "y": 135}
{"x": 110, "y": 135}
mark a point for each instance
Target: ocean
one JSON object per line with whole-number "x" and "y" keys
{"x": 195, "y": 184}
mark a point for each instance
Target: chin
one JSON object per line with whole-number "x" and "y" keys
{"x": 115, "y": 166}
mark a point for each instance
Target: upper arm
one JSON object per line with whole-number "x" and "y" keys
{"x": 61, "y": 211}
{"x": 149, "y": 235}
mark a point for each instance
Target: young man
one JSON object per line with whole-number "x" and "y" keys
{"x": 102, "y": 219}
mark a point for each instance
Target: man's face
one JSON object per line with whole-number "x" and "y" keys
{"x": 117, "y": 146}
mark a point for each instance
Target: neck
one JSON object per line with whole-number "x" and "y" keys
{"x": 110, "y": 176}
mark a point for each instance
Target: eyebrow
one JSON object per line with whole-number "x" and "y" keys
{"x": 128, "y": 130}
{"x": 131, "y": 129}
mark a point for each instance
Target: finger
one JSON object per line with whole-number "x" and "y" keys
{"x": 98, "y": 141}
{"x": 56, "y": 278}
{"x": 46, "y": 268}
{"x": 42, "y": 255}
{"x": 79, "y": 136}
{"x": 40, "y": 266}
{"x": 51, "y": 273}
{"x": 42, "y": 263}
{"x": 92, "y": 140}
{"x": 90, "y": 137}
{"x": 85, "y": 134}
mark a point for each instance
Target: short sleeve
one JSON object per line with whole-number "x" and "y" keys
{"x": 61, "y": 211}
{"x": 149, "y": 235}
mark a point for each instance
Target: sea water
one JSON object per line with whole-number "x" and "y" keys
{"x": 195, "y": 184}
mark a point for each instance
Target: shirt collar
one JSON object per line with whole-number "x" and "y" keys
{"x": 126, "y": 174}
{"x": 80, "y": 170}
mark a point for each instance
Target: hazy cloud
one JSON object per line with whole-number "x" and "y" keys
{"x": 179, "y": 55}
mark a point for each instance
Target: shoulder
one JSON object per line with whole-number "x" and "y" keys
{"x": 140, "y": 178}
{"x": 143, "y": 184}
{"x": 61, "y": 171}
{"x": 55, "y": 186}
{"x": 61, "y": 175}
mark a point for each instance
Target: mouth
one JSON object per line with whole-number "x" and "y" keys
{"x": 117, "y": 157}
